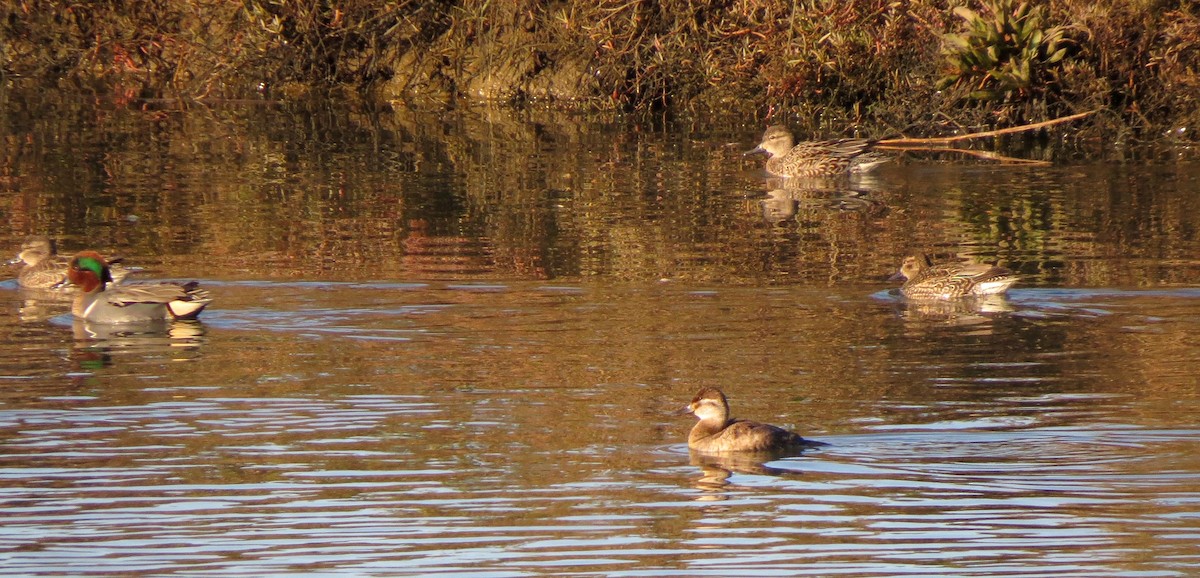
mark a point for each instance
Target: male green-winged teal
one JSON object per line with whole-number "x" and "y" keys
{"x": 816, "y": 158}
{"x": 44, "y": 268}
{"x": 716, "y": 432}
{"x": 100, "y": 303}
{"x": 924, "y": 280}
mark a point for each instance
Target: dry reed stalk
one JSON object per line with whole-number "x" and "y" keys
{"x": 903, "y": 143}
{"x": 981, "y": 154}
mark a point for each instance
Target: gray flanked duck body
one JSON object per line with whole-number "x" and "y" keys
{"x": 826, "y": 158}
{"x": 98, "y": 302}
{"x": 716, "y": 432}
{"x": 924, "y": 280}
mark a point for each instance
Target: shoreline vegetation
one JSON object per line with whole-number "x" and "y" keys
{"x": 916, "y": 68}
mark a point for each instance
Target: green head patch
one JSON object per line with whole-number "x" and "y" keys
{"x": 95, "y": 266}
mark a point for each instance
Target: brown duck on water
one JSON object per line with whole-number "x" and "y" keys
{"x": 716, "y": 432}
{"x": 924, "y": 280}
{"x": 816, "y": 158}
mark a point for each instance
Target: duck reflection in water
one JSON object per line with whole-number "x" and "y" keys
{"x": 979, "y": 312}
{"x": 788, "y": 197}
{"x": 782, "y": 205}
{"x": 177, "y": 339}
{"x": 42, "y": 304}
{"x": 716, "y": 469}
{"x": 721, "y": 445}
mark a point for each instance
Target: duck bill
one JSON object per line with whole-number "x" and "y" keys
{"x": 685, "y": 410}
{"x": 898, "y": 276}
{"x": 754, "y": 151}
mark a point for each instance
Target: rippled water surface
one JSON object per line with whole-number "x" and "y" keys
{"x": 451, "y": 345}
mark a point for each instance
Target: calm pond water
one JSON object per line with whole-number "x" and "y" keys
{"x": 453, "y": 343}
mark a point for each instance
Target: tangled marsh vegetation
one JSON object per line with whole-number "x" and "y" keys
{"x": 921, "y": 66}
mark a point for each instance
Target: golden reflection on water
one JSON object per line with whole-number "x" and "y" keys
{"x": 507, "y": 426}
{"x": 306, "y": 192}
{"x": 451, "y": 344}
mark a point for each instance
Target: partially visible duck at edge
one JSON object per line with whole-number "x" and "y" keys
{"x": 99, "y": 302}
{"x": 44, "y": 268}
{"x": 716, "y": 432}
{"x": 924, "y": 280}
{"x": 827, "y": 158}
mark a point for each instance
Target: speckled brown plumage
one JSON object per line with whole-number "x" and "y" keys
{"x": 816, "y": 158}
{"x": 952, "y": 280}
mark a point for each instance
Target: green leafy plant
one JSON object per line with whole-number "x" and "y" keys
{"x": 1004, "y": 52}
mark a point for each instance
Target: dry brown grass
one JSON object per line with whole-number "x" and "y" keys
{"x": 842, "y": 67}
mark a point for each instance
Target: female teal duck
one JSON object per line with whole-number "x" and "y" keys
{"x": 716, "y": 432}
{"x": 816, "y": 158}
{"x": 924, "y": 280}
{"x": 100, "y": 303}
{"x": 44, "y": 268}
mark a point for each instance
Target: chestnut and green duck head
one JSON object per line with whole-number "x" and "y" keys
{"x": 89, "y": 271}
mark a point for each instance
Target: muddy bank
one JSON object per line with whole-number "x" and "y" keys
{"x": 876, "y": 66}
